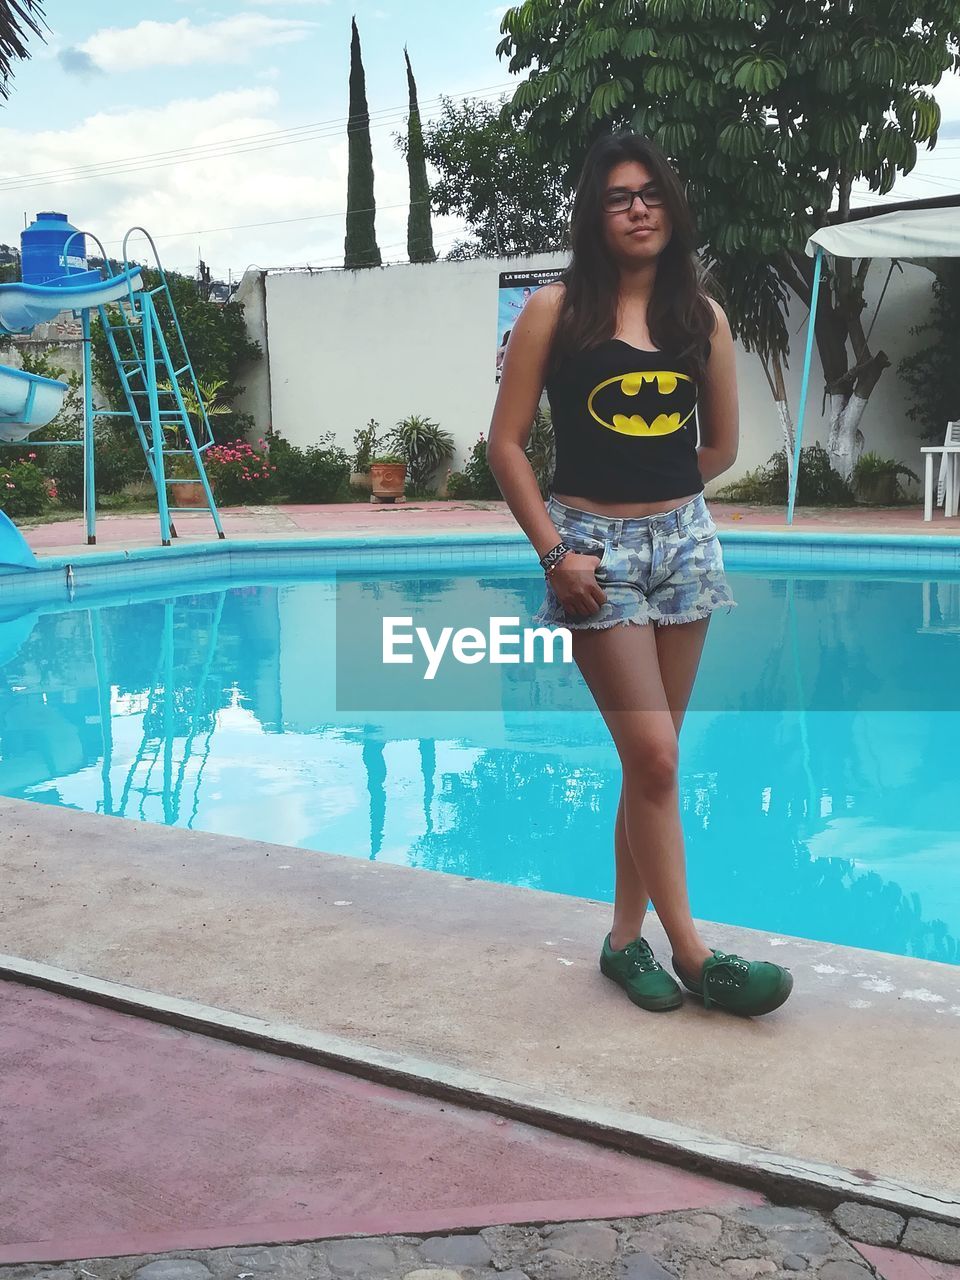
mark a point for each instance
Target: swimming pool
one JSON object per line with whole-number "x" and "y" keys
{"x": 817, "y": 773}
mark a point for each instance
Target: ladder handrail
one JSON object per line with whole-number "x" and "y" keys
{"x": 86, "y": 234}
{"x": 164, "y": 287}
{"x": 150, "y": 355}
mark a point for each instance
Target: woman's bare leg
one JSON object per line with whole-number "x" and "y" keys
{"x": 630, "y": 897}
{"x": 679, "y": 649}
{"x": 621, "y": 666}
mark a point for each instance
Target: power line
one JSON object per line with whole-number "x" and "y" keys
{"x": 277, "y": 222}
{"x": 223, "y": 148}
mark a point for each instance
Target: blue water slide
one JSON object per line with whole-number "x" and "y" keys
{"x": 14, "y": 552}
{"x": 24, "y": 305}
{"x": 27, "y": 402}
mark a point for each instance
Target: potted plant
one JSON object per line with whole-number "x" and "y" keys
{"x": 366, "y": 442}
{"x": 425, "y": 447}
{"x": 181, "y": 466}
{"x": 877, "y": 480}
{"x": 181, "y": 476}
{"x": 388, "y": 473}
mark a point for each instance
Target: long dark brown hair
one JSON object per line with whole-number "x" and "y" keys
{"x": 679, "y": 316}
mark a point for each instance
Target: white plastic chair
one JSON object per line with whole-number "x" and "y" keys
{"x": 948, "y": 481}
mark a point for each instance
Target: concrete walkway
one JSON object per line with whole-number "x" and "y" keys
{"x": 279, "y": 522}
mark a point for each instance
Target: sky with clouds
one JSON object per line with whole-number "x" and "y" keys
{"x": 222, "y": 129}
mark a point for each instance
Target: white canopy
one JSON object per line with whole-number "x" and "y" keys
{"x": 902, "y": 233}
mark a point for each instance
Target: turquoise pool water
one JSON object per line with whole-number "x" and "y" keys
{"x": 818, "y": 756}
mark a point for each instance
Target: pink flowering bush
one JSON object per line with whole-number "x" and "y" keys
{"x": 23, "y": 487}
{"x": 239, "y": 473}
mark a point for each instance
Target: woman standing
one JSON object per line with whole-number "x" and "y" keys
{"x": 629, "y": 347}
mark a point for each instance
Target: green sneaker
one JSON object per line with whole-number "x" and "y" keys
{"x": 748, "y": 987}
{"x": 643, "y": 978}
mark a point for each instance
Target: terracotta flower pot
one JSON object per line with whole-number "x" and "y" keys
{"x": 387, "y": 479}
{"x": 186, "y": 495}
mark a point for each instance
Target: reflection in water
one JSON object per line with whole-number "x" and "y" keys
{"x": 218, "y": 711}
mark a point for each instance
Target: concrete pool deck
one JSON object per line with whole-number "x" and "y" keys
{"x": 491, "y": 995}
{"x": 270, "y": 523}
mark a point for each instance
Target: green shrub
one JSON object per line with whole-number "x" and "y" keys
{"x": 458, "y": 485}
{"x": 476, "y": 480}
{"x": 933, "y": 372}
{"x": 819, "y": 484}
{"x": 541, "y": 450}
{"x": 366, "y": 442}
{"x": 118, "y": 461}
{"x": 319, "y": 473}
{"x": 479, "y": 476}
{"x": 876, "y": 479}
{"x": 23, "y": 488}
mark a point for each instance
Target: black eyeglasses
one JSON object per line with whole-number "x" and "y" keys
{"x": 620, "y": 199}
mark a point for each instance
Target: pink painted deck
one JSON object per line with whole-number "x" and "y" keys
{"x": 285, "y": 522}
{"x": 122, "y": 1136}
{"x": 891, "y": 1264}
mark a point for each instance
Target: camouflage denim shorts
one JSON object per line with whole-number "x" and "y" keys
{"x": 663, "y": 568}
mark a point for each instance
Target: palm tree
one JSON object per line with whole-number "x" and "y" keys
{"x": 18, "y": 20}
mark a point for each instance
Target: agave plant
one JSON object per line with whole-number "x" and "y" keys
{"x": 423, "y": 445}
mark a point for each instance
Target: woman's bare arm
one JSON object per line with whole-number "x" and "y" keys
{"x": 718, "y": 410}
{"x": 521, "y": 386}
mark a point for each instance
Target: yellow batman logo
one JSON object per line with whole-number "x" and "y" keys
{"x": 662, "y": 384}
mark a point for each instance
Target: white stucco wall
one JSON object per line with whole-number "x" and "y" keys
{"x": 346, "y": 346}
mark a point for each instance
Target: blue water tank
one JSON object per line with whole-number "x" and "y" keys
{"x": 42, "y": 245}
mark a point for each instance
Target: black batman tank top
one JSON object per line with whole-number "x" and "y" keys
{"x": 624, "y": 425}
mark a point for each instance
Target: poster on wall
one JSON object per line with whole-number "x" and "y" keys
{"x": 516, "y": 290}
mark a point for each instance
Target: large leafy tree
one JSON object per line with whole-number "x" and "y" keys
{"x": 419, "y": 236}
{"x": 770, "y": 112}
{"x": 360, "y": 244}
{"x": 495, "y": 180}
{"x": 19, "y": 19}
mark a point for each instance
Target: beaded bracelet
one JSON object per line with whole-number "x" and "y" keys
{"x": 552, "y": 558}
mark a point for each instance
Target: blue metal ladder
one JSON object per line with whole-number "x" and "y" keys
{"x": 140, "y": 349}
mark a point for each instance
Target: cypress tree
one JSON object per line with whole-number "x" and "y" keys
{"x": 360, "y": 245}
{"x": 419, "y": 234}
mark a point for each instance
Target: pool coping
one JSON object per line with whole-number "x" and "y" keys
{"x": 470, "y": 537}
{"x": 807, "y": 1181}
{"x": 58, "y": 577}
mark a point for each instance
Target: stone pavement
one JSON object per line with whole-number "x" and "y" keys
{"x": 768, "y": 1241}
